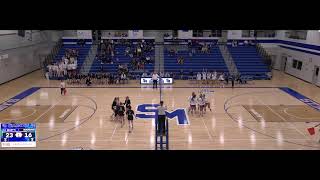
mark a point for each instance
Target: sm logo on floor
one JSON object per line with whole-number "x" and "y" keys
{"x": 149, "y": 112}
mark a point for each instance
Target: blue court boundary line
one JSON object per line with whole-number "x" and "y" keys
{"x": 308, "y": 101}
{"x": 10, "y": 102}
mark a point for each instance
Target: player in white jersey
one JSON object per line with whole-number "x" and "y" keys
{"x": 221, "y": 79}
{"x": 193, "y": 102}
{"x": 207, "y": 103}
{"x": 202, "y": 103}
{"x": 204, "y": 77}
{"x": 198, "y": 77}
{"x": 208, "y": 77}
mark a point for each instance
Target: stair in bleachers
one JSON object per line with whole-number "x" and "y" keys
{"x": 249, "y": 62}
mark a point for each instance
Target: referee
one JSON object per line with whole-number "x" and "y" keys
{"x": 161, "y": 118}
{"x": 155, "y": 80}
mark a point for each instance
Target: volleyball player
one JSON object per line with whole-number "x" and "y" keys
{"x": 207, "y": 103}
{"x": 121, "y": 111}
{"x": 130, "y": 114}
{"x": 221, "y": 79}
{"x": 204, "y": 77}
{"x": 202, "y": 104}
{"x": 214, "y": 77}
{"x": 208, "y": 77}
{"x": 193, "y": 103}
{"x": 127, "y": 103}
{"x": 198, "y": 77}
{"x": 114, "y": 108}
{"x": 63, "y": 88}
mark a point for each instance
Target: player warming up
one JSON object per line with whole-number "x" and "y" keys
{"x": 121, "y": 111}
{"x": 130, "y": 114}
{"x": 207, "y": 103}
{"x": 63, "y": 88}
{"x": 193, "y": 103}
{"x": 202, "y": 104}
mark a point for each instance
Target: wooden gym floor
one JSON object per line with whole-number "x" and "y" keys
{"x": 254, "y": 116}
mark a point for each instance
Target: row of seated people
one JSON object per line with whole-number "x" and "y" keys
{"x": 97, "y": 79}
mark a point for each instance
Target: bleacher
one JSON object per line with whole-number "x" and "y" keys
{"x": 83, "y": 52}
{"x": 119, "y": 58}
{"x": 249, "y": 62}
{"x": 198, "y": 62}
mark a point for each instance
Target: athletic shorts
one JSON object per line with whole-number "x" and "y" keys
{"x": 193, "y": 106}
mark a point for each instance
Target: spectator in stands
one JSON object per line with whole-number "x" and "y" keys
{"x": 81, "y": 42}
{"x": 245, "y": 42}
{"x": 226, "y": 75}
{"x": 144, "y": 74}
{"x": 269, "y": 74}
{"x": 172, "y": 52}
{"x": 148, "y": 59}
{"x": 239, "y": 78}
{"x": 167, "y": 74}
{"x": 181, "y": 73}
{"x": 251, "y": 43}
{"x": 180, "y": 60}
{"x": 234, "y": 43}
{"x": 139, "y": 51}
{"x": 88, "y": 81}
{"x": 204, "y": 49}
{"x": 127, "y": 51}
{"x": 161, "y": 74}
{"x": 191, "y": 73}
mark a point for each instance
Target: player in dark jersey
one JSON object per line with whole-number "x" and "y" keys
{"x": 121, "y": 111}
{"x": 130, "y": 114}
{"x": 127, "y": 103}
{"x": 114, "y": 108}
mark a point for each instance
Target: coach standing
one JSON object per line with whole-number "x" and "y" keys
{"x": 155, "y": 80}
{"x": 161, "y": 118}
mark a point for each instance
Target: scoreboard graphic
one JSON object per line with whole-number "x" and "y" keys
{"x": 18, "y": 135}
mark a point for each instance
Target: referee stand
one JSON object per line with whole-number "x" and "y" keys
{"x": 162, "y": 140}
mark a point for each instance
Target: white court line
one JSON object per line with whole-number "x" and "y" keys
{"x": 210, "y": 136}
{"x": 285, "y": 111}
{"x": 48, "y": 110}
{"x": 282, "y": 118}
{"x": 114, "y": 131}
{"x": 34, "y": 111}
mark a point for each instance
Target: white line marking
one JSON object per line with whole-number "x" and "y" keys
{"x": 34, "y": 111}
{"x": 114, "y": 130}
{"x": 283, "y": 118}
{"x": 48, "y": 110}
{"x": 285, "y": 111}
{"x": 64, "y": 113}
